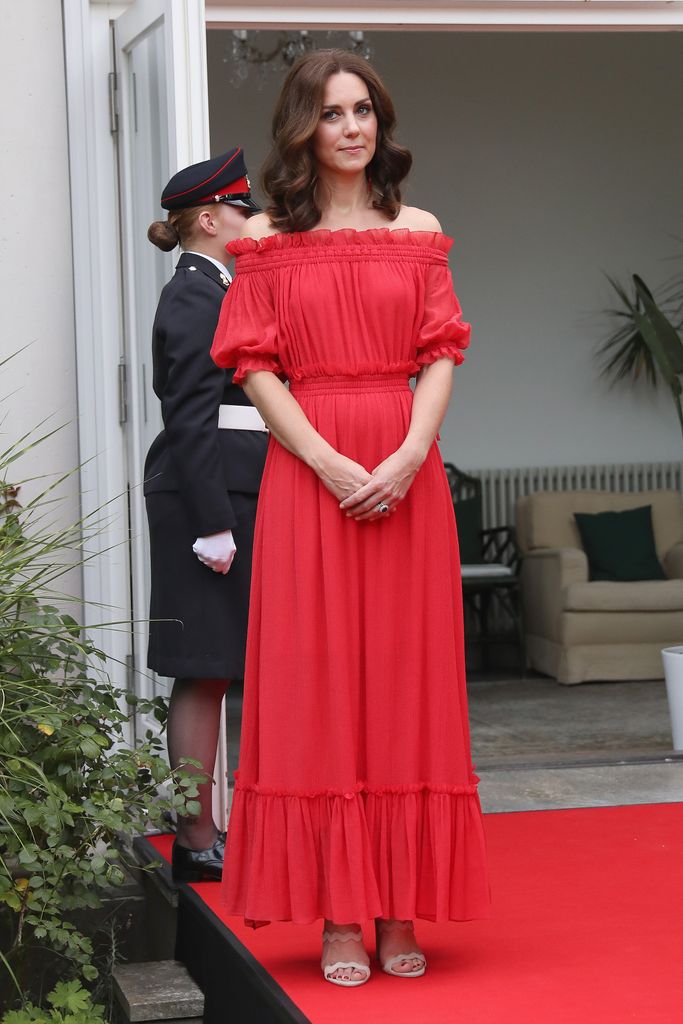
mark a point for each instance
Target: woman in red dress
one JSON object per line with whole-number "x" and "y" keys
{"x": 356, "y": 796}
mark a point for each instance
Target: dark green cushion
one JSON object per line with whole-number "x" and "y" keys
{"x": 620, "y": 545}
{"x": 468, "y": 519}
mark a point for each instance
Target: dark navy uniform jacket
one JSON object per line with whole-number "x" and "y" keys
{"x": 191, "y": 455}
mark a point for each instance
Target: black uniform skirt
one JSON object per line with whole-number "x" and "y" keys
{"x": 198, "y": 625}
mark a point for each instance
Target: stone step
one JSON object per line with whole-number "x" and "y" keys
{"x": 161, "y": 990}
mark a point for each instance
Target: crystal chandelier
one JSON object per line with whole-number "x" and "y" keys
{"x": 246, "y": 53}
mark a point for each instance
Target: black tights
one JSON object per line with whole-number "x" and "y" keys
{"x": 192, "y": 731}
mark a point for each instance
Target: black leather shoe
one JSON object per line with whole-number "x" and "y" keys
{"x": 198, "y": 865}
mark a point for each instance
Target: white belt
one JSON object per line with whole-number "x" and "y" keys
{"x": 240, "y": 417}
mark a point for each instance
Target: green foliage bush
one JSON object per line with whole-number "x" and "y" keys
{"x": 69, "y": 1004}
{"x": 71, "y": 789}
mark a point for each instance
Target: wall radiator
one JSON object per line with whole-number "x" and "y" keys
{"x": 502, "y": 487}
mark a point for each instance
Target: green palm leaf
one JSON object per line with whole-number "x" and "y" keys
{"x": 625, "y": 354}
{"x": 645, "y": 342}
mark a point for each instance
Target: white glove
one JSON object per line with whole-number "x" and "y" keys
{"x": 217, "y": 551}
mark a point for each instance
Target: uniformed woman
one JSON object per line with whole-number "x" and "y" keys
{"x": 202, "y": 476}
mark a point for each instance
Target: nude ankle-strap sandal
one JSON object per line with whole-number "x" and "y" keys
{"x": 388, "y": 965}
{"x": 329, "y": 969}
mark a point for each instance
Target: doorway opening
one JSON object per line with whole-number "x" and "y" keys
{"x": 524, "y": 149}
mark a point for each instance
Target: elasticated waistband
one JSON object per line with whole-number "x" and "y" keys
{"x": 348, "y": 384}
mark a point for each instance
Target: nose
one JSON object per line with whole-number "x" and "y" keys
{"x": 351, "y": 128}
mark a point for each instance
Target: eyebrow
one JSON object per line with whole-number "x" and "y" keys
{"x": 335, "y": 106}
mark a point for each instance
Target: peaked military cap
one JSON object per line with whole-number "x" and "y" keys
{"x": 223, "y": 179}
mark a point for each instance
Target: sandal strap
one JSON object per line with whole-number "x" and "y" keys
{"x": 356, "y": 936}
{"x": 343, "y": 965}
{"x": 393, "y": 960}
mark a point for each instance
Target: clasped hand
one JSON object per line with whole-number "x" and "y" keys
{"x": 361, "y": 492}
{"x": 216, "y": 551}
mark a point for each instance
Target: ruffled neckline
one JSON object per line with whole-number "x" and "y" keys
{"x": 322, "y": 237}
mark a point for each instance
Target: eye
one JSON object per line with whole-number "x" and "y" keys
{"x": 329, "y": 115}
{"x": 364, "y": 108}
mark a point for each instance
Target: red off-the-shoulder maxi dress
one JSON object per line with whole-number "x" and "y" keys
{"x": 355, "y": 796}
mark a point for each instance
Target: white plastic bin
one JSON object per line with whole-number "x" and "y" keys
{"x": 673, "y": 674}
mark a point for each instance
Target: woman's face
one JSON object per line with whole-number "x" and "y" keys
{"x": 346, "y": 136}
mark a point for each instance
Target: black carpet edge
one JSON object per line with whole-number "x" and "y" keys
{"x": 237, "y": 988}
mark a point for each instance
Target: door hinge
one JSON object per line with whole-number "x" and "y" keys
{"x": 113, "y": 102}
{"x": 123, "y": 391}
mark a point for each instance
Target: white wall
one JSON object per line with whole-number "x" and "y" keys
{"x": 35, "y": 246}
{"x": 550, "y": 158}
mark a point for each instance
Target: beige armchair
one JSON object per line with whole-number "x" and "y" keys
{"x": 578, "y": 630}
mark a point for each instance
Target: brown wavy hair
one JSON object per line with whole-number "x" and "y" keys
{"x": 289, "y": 176}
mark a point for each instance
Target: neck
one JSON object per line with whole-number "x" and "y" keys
{"x": 217, "y": 252}
{"x": 343, "y": 194}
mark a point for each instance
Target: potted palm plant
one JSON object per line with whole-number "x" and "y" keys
{"x": 646, "y": 342}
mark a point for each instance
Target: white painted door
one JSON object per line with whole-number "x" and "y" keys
{"x": 164, "y": 125}
{"x": 163, "y": 118}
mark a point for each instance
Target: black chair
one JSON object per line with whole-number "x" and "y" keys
{"x": 490, "y": 562}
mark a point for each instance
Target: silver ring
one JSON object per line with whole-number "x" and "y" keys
{"x": 382, "y": 507}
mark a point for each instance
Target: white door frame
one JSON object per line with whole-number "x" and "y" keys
{"x": 181, "y": 24}
{"x": 95, "y": 214}
{"x": 97, "y": 304}
{"x": 485, "y": 16}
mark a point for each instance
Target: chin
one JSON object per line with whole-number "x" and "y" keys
{"x": 353, "y": 163}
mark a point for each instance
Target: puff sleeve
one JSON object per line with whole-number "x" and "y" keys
{"x": 246, "y": 334}
{"x": 443, "y": 332}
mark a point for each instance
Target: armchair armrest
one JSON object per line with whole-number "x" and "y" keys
{"x": 673, "y": 562}
{"x": 546, "y": 572}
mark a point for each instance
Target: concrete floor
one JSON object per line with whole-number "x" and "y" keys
{"x": 537, "y": 789}
{"x": 536, "y": 721}
{"x": 541, "y": 746}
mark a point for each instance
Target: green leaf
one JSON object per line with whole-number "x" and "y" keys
{"x": 89, "y": 748}
{"x": 97, "y": 863}
{"x": 69, "y": 995}
{"x": 646, "y": 342}
{"x": 659, "y": 349}
{"x": 669, "y": 345}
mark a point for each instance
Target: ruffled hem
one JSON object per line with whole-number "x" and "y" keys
{"x": 321, "y": 237}
{"x": 402, "y": 852}
{"x": 361, "y": 787}
{"x": 449, "y": 350}
{"x": 249, "y": 364}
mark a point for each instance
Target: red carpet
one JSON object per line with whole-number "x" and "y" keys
{"x": 587, "y": 928}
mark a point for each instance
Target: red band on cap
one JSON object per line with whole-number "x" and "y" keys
{"x": 235, "y": 187}
{"x": 202, "y": 183}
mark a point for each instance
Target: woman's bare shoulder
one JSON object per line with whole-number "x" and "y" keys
{"x": 416, "y": 220}
{"x": 258, "y": 226}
